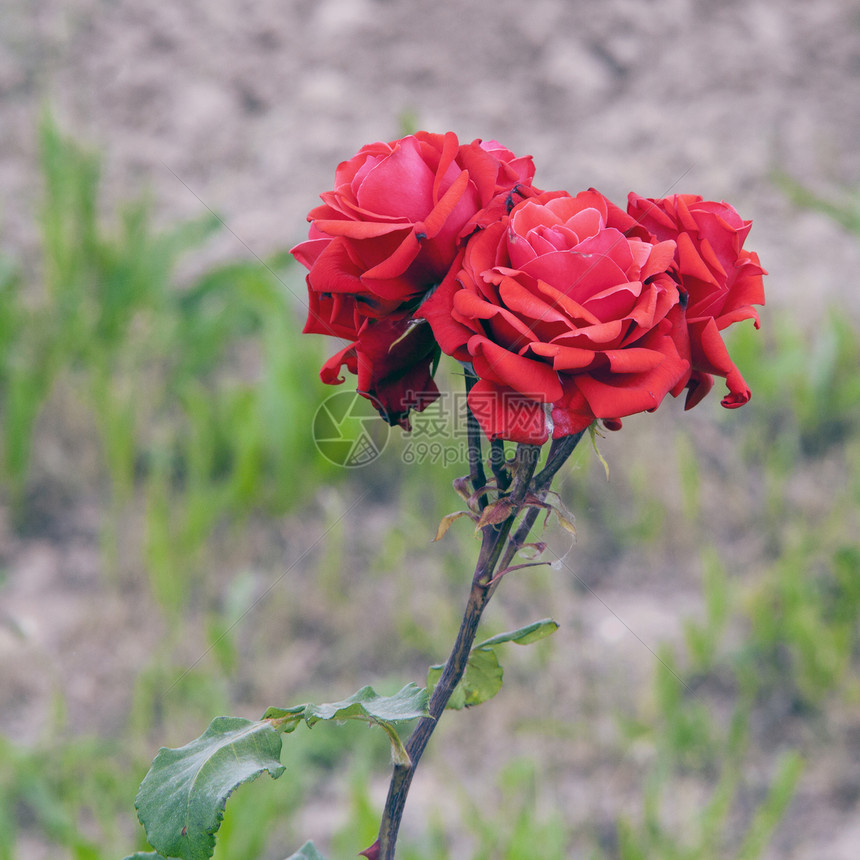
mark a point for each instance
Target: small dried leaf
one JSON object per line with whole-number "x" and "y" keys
{"x": 462, "y": 488}
{"x": 446, "y": 521}
{"x": 508, "y": 570}
{"x": 495, "y": 512}
{"x": 565, "y": 518}
{"x": 537, "y": 548}
{"x": 481, "y": 491}
{"x": 533, "y": 501}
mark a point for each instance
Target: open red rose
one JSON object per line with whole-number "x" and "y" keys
{"x": 388, "y": 233}
{"x": 563, "y": 318}
{"x": 721, "y": 280}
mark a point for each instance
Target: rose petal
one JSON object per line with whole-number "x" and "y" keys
{"x": 571, "y": 414}
{"x": 697, "y": 388}
{"x": 532, "y": 378}
{"x": 450, "y": 334}
{"x": 359, "y": 229}
{"x": 563, "y": 357}
{"x": 578, "y": 275}
{"x": 398, "y": 261}
{"x": 711, "y": 356}
{"x": 330, "y": 371}
{"x": 505, "y": 414}
{"x": 506, "y": 330}
{"x": 442, "y": 211}
{"x": 400, "y": 185}
{"x": 336, "y": 315}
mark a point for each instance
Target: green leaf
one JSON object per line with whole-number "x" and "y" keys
{"x": 594, "y": 432}
{"x": 457, "y": 701}
{"x": 285, "y": 719}
{"x": 484, "y": 675}
{"x": 524, "y": 635}
{"x": 181, "y": 800}
{"x": 308, "y": 851}
{"x": 149, "y": 855}
{"x": 480, "y": 682}
{"x": 367, "y": 705}
{"x": 408, "y": 704}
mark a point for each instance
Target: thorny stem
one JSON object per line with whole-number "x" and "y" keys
{"x": 494, "y": 539}
{"x": 559, "y": 451}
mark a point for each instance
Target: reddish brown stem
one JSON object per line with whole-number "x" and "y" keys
{"x": 493, "y": 542}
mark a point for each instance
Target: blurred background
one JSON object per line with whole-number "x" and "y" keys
{"x": 173, "y": 547}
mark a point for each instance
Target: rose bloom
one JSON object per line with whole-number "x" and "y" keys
{"x": 720, "y": 279}
{"x": 388, "y": 233}
{"x": 563, "y": 318}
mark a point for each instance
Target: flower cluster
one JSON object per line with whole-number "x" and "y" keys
{"x": 566, "y": 309}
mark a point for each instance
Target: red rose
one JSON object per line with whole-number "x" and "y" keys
{"x": 386, "y": 235}
{"x": 721, "y": 281}
{"x": 563, "y": 318}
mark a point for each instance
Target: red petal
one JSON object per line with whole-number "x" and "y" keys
{"x": 532, "y": 378}
{"x": 697, "y": 388}
{"x": 506, "y": 414}
{"x": 394, "y": 360}
{"x": 690, "y": 262}
{"x": 616, "y": 394}
{"x": 398, "y": 262}
{"x": 330, "y": 371}
{"x": 451, "y": 335}
{"x": 360, "y": 229}
{"x": 505, "y": 328}
{"x": 564, "y": 358}
{"x": 400, "y": 185}
{"x": 711, "y": 356}
{"x": 450, "y": 149}
{"x": 572, "y": 413}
